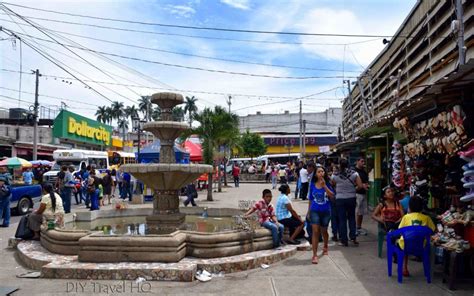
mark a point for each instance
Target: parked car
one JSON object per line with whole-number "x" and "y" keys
{"x": 24, "y": 196}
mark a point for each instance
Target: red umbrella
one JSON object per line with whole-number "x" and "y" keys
{"x": 194, "y": 150}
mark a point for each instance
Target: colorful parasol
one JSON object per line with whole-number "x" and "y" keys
{"x": 15, "y": 162}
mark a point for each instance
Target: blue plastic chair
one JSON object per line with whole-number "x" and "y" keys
{"x": 417, "y": 243}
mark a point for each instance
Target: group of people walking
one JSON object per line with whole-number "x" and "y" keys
{"x": 331, "y": 199}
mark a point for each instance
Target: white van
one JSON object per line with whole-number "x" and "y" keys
{"x": 77, "y": 158}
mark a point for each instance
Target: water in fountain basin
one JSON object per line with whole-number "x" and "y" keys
{"x": 137, "y": 225}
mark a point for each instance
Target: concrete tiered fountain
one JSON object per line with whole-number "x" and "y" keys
{"x": 167, "y": 177}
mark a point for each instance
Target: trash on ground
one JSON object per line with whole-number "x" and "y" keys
{"x": 30, "y": 275}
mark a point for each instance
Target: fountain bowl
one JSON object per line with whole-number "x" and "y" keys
{"x": 166, "y": 176}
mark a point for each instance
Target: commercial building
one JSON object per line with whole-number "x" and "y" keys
{"x": 425, "y": 70}
{"x": 281, "y": 132}
{"x": 68, "y": 130}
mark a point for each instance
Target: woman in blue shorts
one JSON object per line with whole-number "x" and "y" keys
{"x": 319, "y": 211}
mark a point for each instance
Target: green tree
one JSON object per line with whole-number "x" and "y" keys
{"x": 178, "y": 113}
{"x": 101, "y": 114}
{"x": 146, "y": 107}
{"x": 131, "y": 112}
{"x": 156, "y": 113}
{"x": 122, "y": 124}
{"x": 252, "y": 144}
{"x": 117, "y": 110}
{"x": 216, "y": 127}
{"x": 109, "y": 118}
{"x": 190, "y": 108}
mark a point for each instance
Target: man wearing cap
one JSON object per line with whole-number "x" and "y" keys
{"x": 5, "y": 195}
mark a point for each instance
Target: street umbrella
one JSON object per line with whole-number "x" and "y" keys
{"x": 15, "y": 162}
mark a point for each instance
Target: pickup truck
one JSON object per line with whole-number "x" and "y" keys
{"x": 23, "y": 197}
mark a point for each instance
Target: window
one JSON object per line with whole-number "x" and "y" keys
{"x": 99, "y": 163}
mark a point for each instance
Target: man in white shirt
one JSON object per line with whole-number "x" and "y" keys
{"x": 304, "y": 183}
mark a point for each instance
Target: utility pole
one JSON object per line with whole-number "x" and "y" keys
{"x": 35, "y": 118}
{"x": 352, "y": 111}
{"x": 301, "y": 130}
{"x": 461, "y": 48}
{"x": 229, "y": 102}
{"x": 304, "y": 139}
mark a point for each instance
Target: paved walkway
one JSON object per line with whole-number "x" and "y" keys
{"x": 346, "y": 271}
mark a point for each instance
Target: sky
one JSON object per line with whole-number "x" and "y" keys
{"x": 326, "y": 60}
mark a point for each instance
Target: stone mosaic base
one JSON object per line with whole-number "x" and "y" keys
{"x": 52, "y": 265}
{"x": 243, "y": 262}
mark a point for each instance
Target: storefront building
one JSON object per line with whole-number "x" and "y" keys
{"x": 314, "y": 144}
{"x": 76, "y": 131}
{"x": 416, "y": 95}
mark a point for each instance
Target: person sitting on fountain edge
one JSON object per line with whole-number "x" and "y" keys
{"x": 267, "y": 218}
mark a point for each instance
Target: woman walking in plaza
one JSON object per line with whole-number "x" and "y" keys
{"x": 319, "y": 211}
{"x": 107, "y": 187}
{"x": 345, "y": 182}
{"x": 274, "y": 176}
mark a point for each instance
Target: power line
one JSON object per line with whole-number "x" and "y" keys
{"x": 214, "y": 38}
{"x": 53, "y": 97}
{"x": 289, "y": 100}
{"x": 182, "y": 90}
{"x": 188, "y": 54}
{"x": 37, "y": 27}
{"x": 197, "y": 27}
{"x": 51, "y": 59}
{"x": 189, "y": 67}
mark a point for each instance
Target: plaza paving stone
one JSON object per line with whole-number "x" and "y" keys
{"x": 346, "y": 271}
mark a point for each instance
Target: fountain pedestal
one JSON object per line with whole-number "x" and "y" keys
{"x": 166, "y": 217}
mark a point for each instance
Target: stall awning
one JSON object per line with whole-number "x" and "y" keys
{"x": 194, "y": 150}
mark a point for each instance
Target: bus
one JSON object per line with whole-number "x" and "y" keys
{"x": 117, "y": 158}
{"x": 76, "y": 158}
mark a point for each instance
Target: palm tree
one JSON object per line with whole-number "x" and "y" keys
{"x": 190, "y": 108}
{"x": 117, "y": 110}
{"x": 131, "y": 111}
{"x": 216, "y": 127}
{"x": 178, "y": 113}
{"x": 145, "y": 106}
{"x": 108, "y": 117}
{"x": 101, "y": 114}
{"x": 122, "y": 124}
{"x": 156, "y": 113}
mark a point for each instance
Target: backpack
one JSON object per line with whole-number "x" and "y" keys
{"x": 23, "y": 231}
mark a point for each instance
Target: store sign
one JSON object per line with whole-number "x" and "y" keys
{"x": 295, "y": 141}
{"x": 82, "y": 129}
{"x": 71, "y": 126}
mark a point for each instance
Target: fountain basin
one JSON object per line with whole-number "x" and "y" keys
{"x": 167, "y": 100}
{"x": 92, "y": 245}
{"x": 165, "y": 176}
{"x": 166, "y": 130}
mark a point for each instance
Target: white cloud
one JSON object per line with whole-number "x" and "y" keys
{"x": 240, "y": 4}
{"x": 181, "y": 10}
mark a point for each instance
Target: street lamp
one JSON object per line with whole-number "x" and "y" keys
{"x": 137, "y": 125}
